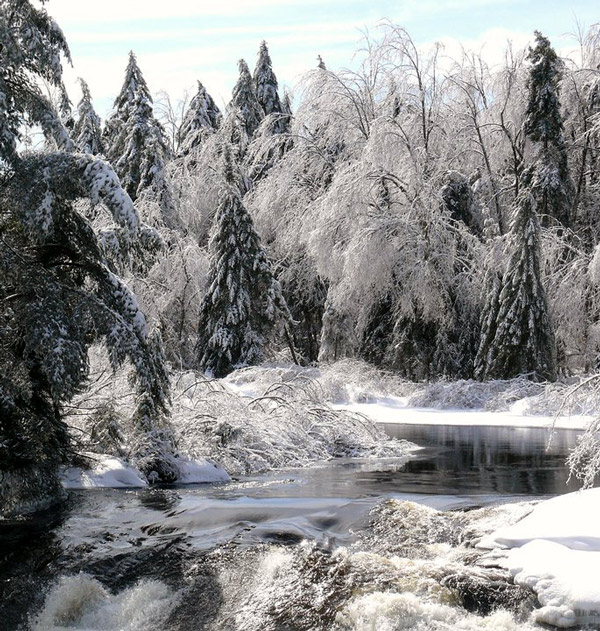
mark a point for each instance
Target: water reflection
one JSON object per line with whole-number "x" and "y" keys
{"x": 480, "y": 460}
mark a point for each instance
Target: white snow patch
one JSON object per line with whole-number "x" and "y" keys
{"x": 572, "y": 520}
{"x": 201, "y": 471}
{"x": 114, "y": 473}
{"x": 108, "y": 472}
{"x": 395, "y": 410}
{"x": 555, "y": 551}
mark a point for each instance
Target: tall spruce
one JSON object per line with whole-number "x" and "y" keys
{"x": 265, "y": 82}
{"x": 245, "y": 112}
{"x": 202, "y": 118}
{"x": 544, "y": 127}
{"x": 87, "y": 133}
{"x": 244, "y": 304}
{"x": 517, "y": 335}
{"x": 135, "y": 141}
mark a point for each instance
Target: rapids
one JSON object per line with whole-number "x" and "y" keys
{"x": 347, "y": 544}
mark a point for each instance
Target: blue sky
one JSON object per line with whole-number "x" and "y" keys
{"x": 179, "y": 41}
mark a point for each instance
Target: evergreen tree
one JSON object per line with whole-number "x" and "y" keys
{"x": 517, "y": 335}
{"x": 244, "y": 304}
{"x": 544, "y": 126}
{"x": 86, "y": 133}
{"x": 58, "y": 294}
{"x": 245, "y": 112}
{"x": 272, "y": 139}
{"x": 265, "y": 83}
{"x": 202, "y": 118}
{"x": 136, "y": 144}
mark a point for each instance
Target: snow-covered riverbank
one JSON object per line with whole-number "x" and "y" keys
{"x": 555, "y": 551}
{"x": 399, "y": 410}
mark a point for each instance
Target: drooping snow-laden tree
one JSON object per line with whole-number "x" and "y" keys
{"x": 58, "y": 292}
{"x": 136, "y": 145}
{"x": 87, "y": 132}
{"x": 517, "y": 334}
{"x": 581, "y": 107}
{"x": 244, "y": 304}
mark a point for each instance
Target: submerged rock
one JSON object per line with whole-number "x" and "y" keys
{"x": 485, "y": 593}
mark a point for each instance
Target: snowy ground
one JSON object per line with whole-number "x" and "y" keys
{"x": 399, "y": 410}
{"x": 555, "y": 551}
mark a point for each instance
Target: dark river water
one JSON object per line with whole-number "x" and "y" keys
{"x": 107, "y": 533}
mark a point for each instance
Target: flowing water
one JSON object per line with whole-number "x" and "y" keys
{"x": 344, "y": 545}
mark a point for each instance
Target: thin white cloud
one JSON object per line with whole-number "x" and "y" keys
{"x": 69, "y": 11}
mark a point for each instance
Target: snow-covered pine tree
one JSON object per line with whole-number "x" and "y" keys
{"x": 245, "y": 112}
{"x": 57, "y": 291}
{"x": 244, "y": 304}
{"x": 265, "y": 82}
{"x": 272, "y": 139}
{"x": 544, "y": 126}
{"x": 136, "y": 145}
{"x": 517, "y": 335}
{"x": 202, "y": 118}
{"x": 87, "y": 133}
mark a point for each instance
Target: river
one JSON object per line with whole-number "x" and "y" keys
{"x": 207, "y": 556}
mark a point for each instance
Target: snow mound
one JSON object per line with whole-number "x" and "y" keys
{"x": 571, "y": 520}
{"x": 114, "y": 473}
{"x": 201, "y": 471}
{"x": 555, "y": 551}
{"x": 565, "y": 581}
{"x": 107, "y": 472}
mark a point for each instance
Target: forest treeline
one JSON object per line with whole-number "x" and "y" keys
{"x": 437, "y": 219}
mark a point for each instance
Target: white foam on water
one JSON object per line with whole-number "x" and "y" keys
{"x": 81, "y": 603}
{"x": 386, "y": 611}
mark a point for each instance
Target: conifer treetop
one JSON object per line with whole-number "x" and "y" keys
{"x": 87, "y": 132}
{"x": 133, "y": 86}
{"x": 201, "y": 118}
{"x": 265, "y": 82}
{"x": 543, "y": 122}
{"x": 244, "y": 103}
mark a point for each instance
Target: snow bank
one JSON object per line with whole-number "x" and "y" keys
{"x": 114, "y": 473}
{"x": 555, "y": 551}
{"x": 355, "y": 386}
{"x": 201, "y": 471}
{"x": 572, "y": 520}
{"x": 108, "y": 472}
{"x": 397, "y": 410}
